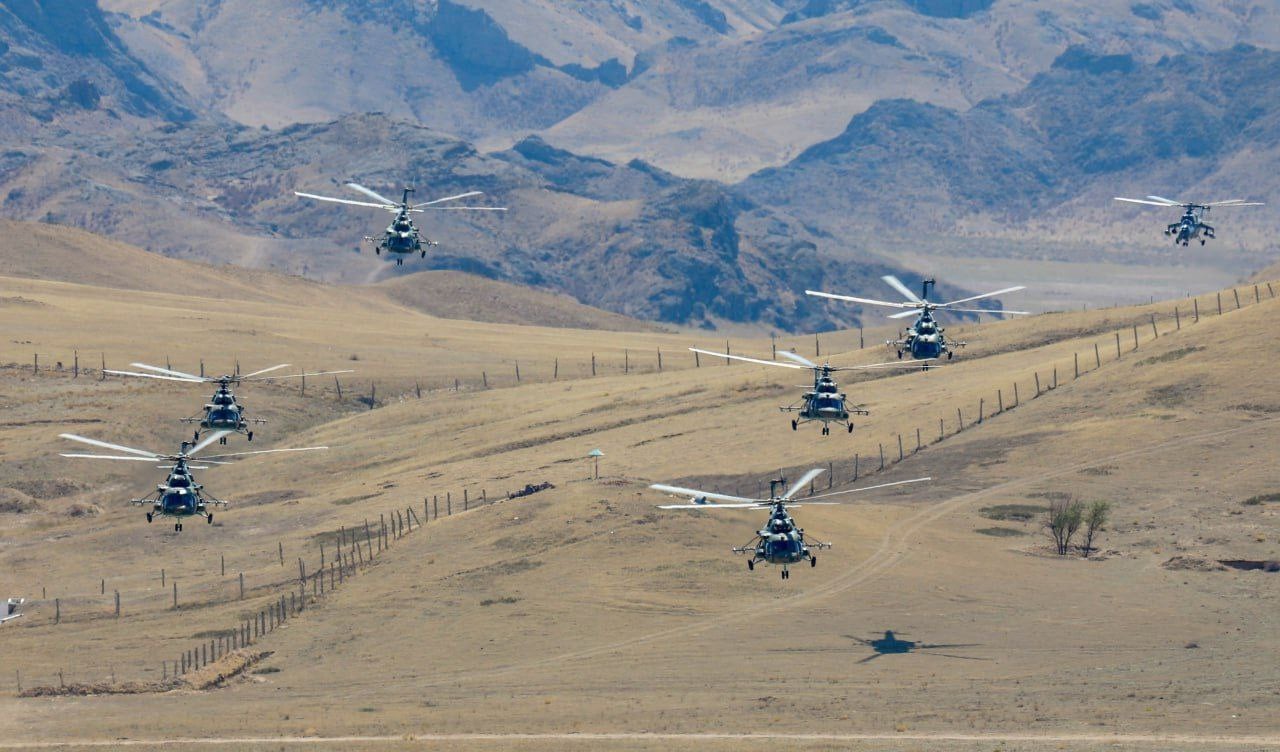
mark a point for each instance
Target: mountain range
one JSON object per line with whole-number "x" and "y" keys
{"x": 698, "y": 162}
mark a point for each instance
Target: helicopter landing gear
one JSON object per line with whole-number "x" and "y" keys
{"x": 786, "y": 575}
{"x": 424, "y": 254}
{"x": 826, "y": 430}
{"x": 949, "y": 354}
{"x": 794, "y": 425}
{"x": 399, "y": 262}
{"x": 209, "y": 518}
{"x": 899, "y": 355}
{"x": 250, "y": 435}
{"x": 751, "y": 565}
{"x": 196, "y": 437}
{"x": 850, "y": 428}
{"x": 177, "y": 527}
{"x": 223, "y": 440}
{"x": 1201, "y": 241}
{"x": 148, "y": 518}
{"x": 813, "y": 561}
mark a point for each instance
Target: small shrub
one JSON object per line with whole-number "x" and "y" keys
{"x": 1000, "y": 532}
{"x": 1012, "y": 512}
{"x": 1254, "y": 501}
{"x": 506, "y": 599}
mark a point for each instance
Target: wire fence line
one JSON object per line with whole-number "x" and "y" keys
{"x": 333, "y": 557}
{"x": 348, "y": 552}
{"x": 1112, "y": 346}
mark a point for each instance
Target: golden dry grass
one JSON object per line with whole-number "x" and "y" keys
{"x": 584, "y": 609}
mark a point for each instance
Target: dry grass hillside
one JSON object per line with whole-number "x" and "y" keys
{"x": 582, "y": 616}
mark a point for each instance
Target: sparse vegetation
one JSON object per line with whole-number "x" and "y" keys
{"x": 1095, "y": 518}
{"x": 495, "y": 601}
{"x": 1259, "y": 499}
{"x": 1012, "y": 512}
{"x": 1000, "y": 532}
{"x": 1062, "y": 522}
{"x": 1172, "y": 355}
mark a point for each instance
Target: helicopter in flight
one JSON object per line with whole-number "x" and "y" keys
{"x": 824, "y": 402}
{"x": 180, "y": 495}
{"x": 780, "y": 541}
{"x": 1191, "y": 225}
{"x": 925, "y": 338}
{"x": 222, "y": 412}
{"x": 891, "y": 644}
{"x": 402, "y": 236}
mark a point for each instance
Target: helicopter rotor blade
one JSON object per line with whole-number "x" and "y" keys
{"x": 1148, "y": 203}
{"x": 371, "y": 194}
{"x": 111, "y": 457}
{"x": 866, "y": 301}
{"x": 389, "y": 207}
{"x": 468, "y": 194}
{"x": 260, "y": 451}
{"x": 797, "y": 357}
{"x": 868, "y": 488}
{"x": 904, "y": 314}
{"x": 988, "y": 310}
{"x": 696, "y": 494}
{"x": 465, "y": 208}
{"x": 890, "y": 364}
{"x": 265, "y": 370}
{"x": 1015, "y": 288}
{"x": 1170, "y": 202}
{"x": 106, "y": 445}
{"x": 154, "y": 376}
{"x": 206, "y": 441}
{"x": 169, "y": 372}
{"x": 300, "y": 375}
{"x": 1238, "y": 202}
{"x": 896, "y": 284}
{"x": 799, "y": 485}
{"x": 748, "y": 360}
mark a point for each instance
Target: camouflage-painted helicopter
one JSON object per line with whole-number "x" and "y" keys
{"x": 780, "y": 541}
{"x": 924, "y": 339}
{"x": 1191, "y": 225}
{"x": 179, "y": 496}
{"x": 890, "y": 644}
{"x": 825, "y": 402}
{"x": 222, "y": 412}
{"x": 401, "y": 236}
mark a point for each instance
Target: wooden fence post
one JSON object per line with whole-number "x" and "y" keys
{"x": 1077, "y": 364}
{"x": 900, "y": 454}
{"x": 981, "y": 409}
{"x": 1037, "y": 383}
{"x": 882, "y": 456}
{"x": 242, "y": 586}
{"x": 855, "y": 466}
{"x": 659, "y": 360}
{"x": 918, "y": 445}
{"x": 697, "y": 363}
{"x": 117, "y": 604}
{"x": 959, "y": 420}
{"x": 941, "y": 430}
{"x": 484, "y": 379}
{"x": 1195, "y": 310}
{"x": 1097, "y": 356}
{"x": 1236, "y": 293}
{"x": 466, "y": 501}
{"x": 1117, "y": 345}
{"x": 1016, "y": 399}
{"x": 280, "y": 545}
{"x": 1155, "y": 333}
{"x": 1135, "y": 336}
{"x": 1177, "y": 319}
{"x": 1219, "y": 302}
{"x": 75, "y": 364}
{"x": 593, "y": 364}
{"x": 175, "y": 593}
{"x": 338, "y": 385}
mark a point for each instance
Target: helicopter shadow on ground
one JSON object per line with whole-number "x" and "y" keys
{"x": 892, "y": 644}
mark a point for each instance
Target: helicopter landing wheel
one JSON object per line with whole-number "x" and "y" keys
{"x": 424, "y": 254}
{"x": 223, "y": 441}
{"x": 813, "y": 561}
{"x": 786, "y": 575}
{"x": 751, "y": 565}
{"x": 250, "y": 436}
{"x": 850, "y": 428}
{"x": 1202, "y": 241}
{"x": 195, "y": 436}
{"x": 209, "y": 518}
{"x": 177, "y": 527}
{"x": 949, "y": 354}
{"x": 148, "y": 518}
{"x": 899, "y": 355}
{"x": 794, "y": 425}
{"x": 826, "y": 431}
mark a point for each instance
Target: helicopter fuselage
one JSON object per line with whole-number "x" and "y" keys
{"x": 779, "y": 542}
{"x": 1190, "y": 227}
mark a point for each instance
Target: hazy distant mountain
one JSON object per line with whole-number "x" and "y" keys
{"x": 1086, "y": 129}
{"x": 61, "y": 65}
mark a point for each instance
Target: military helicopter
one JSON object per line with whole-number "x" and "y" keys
{"x": 223, "y": 412}
{"x": 924, "y": 339}
{"x": 891, "y": 645}
{"x": 179, "y": 496}
{"x": 402, "y": 236}
{"x": 1191, "y": 225}
{"x": 779, "y": 541}
{"x": 825, "y": 402}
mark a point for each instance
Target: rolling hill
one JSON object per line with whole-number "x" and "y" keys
{"x": 584, "y": 610}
